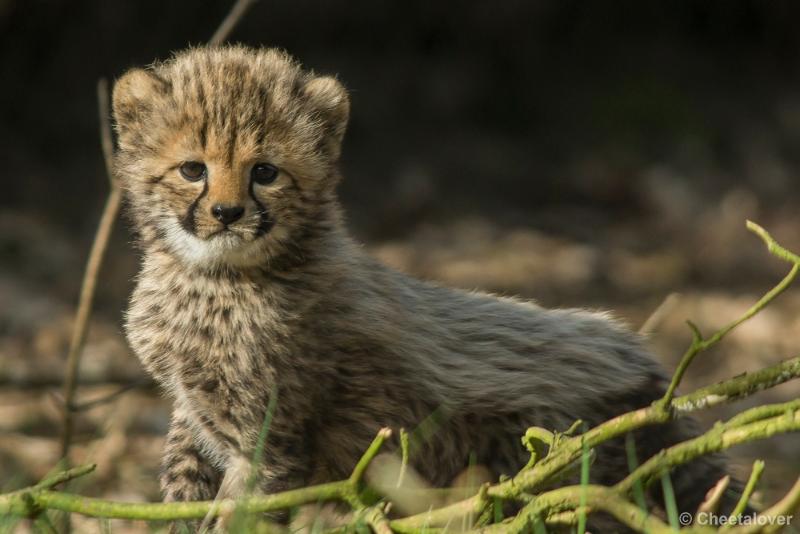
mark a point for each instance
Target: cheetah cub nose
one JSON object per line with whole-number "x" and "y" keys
{"x": 227, "y": 214}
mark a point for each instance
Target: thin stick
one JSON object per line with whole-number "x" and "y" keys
{"x": 105, "y": 399}
{"x": 372, "y": 450}
{"x": 99, "y": 246}
{"x": 775, "y": 518}
{"x": 584, "y": 485}
{"x": 229, "y": 22}
{"x": 598, "y": 498}
{"x": 717, "y": 439}
{"x": 48, "y": 382}
{"x": 403, "y": 456}
{"x": 669, "y": 500}
{"x": 755, "y": 476}
{"x": 376, "y": 518}
{"x": 699, "y": 344}
{"x": 738, "y": 387}
{"x": 106, "y": 139}
{"x": 659, "y": 314}
{"x": 65, "y": 476}
{"x": 711, "y": 503}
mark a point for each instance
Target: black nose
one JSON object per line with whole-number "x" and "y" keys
{"x": 227, "y": 214}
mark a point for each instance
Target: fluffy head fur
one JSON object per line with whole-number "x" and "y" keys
{"x": 230, "y": 109}
{"x": 285, "y": 305}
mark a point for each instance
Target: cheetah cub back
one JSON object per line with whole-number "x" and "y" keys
{"x": 250, "y": 289}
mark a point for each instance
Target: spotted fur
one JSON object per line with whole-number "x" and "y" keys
{"x": 284, "y": 303}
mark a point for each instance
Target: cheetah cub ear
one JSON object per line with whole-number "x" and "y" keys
{"x": 329, "y": 99}
{"x": 134, "y": 95}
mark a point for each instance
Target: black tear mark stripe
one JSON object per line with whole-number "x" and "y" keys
{"x": 265, "y": 222}
{"x": 188, "y": 222}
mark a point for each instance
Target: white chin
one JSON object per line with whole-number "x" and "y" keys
{"x": 223, "y": 249}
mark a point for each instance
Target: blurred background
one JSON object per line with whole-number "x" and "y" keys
{"x": 602, "y": 154}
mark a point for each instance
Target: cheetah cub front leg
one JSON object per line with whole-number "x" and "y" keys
{"x": 186, "y": 474}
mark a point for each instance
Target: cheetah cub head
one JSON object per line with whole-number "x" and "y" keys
{"x": 228, "y": 155}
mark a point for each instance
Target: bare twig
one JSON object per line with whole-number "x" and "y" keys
{"x": 49, "y": 382}
{"x": 230, "y": 21}
{"x": 106, "y": 138}
{"x": 105, "y": 399}
{"x": 711, "y": 503}
{"x": 93, "y": 265}
{"x": 652, "y": 323}
{"x": 82, "y": 406}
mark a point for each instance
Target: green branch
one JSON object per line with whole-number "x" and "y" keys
{"x": 738, "y": 387}
{"x": 755, "y": 476}
{"x": 597, "y": 498}
{"x": 699, "y": 344}
{"x": 31, "y": 501}
{"x": 65, "y": 476}
{"x": 719, "y": 438}
{"x": 372, "y": 450}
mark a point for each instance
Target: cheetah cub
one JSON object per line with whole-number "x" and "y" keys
{"x": 250, "y": 289}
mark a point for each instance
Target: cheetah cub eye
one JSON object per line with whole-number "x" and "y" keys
{"x": 193, "y": 171}
{"x": 263, "y": 173}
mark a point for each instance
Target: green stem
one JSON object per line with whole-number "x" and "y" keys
{"x": 755, "y": 476}
{"x": 65, "y": 476}
{"x": 372, "y": 450}
{"x": 738, "y": 387}
{"x": 584, "y": 485}
{"x": 715, "y": 440}
{"x": 29, "y": 502}
{"x": 776, "y": 517}
{"x": 771, "y": 295}
{"x": 699, "y": 344}
{"x": 598, "y": 498}
{"x": 669, "y": 500}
